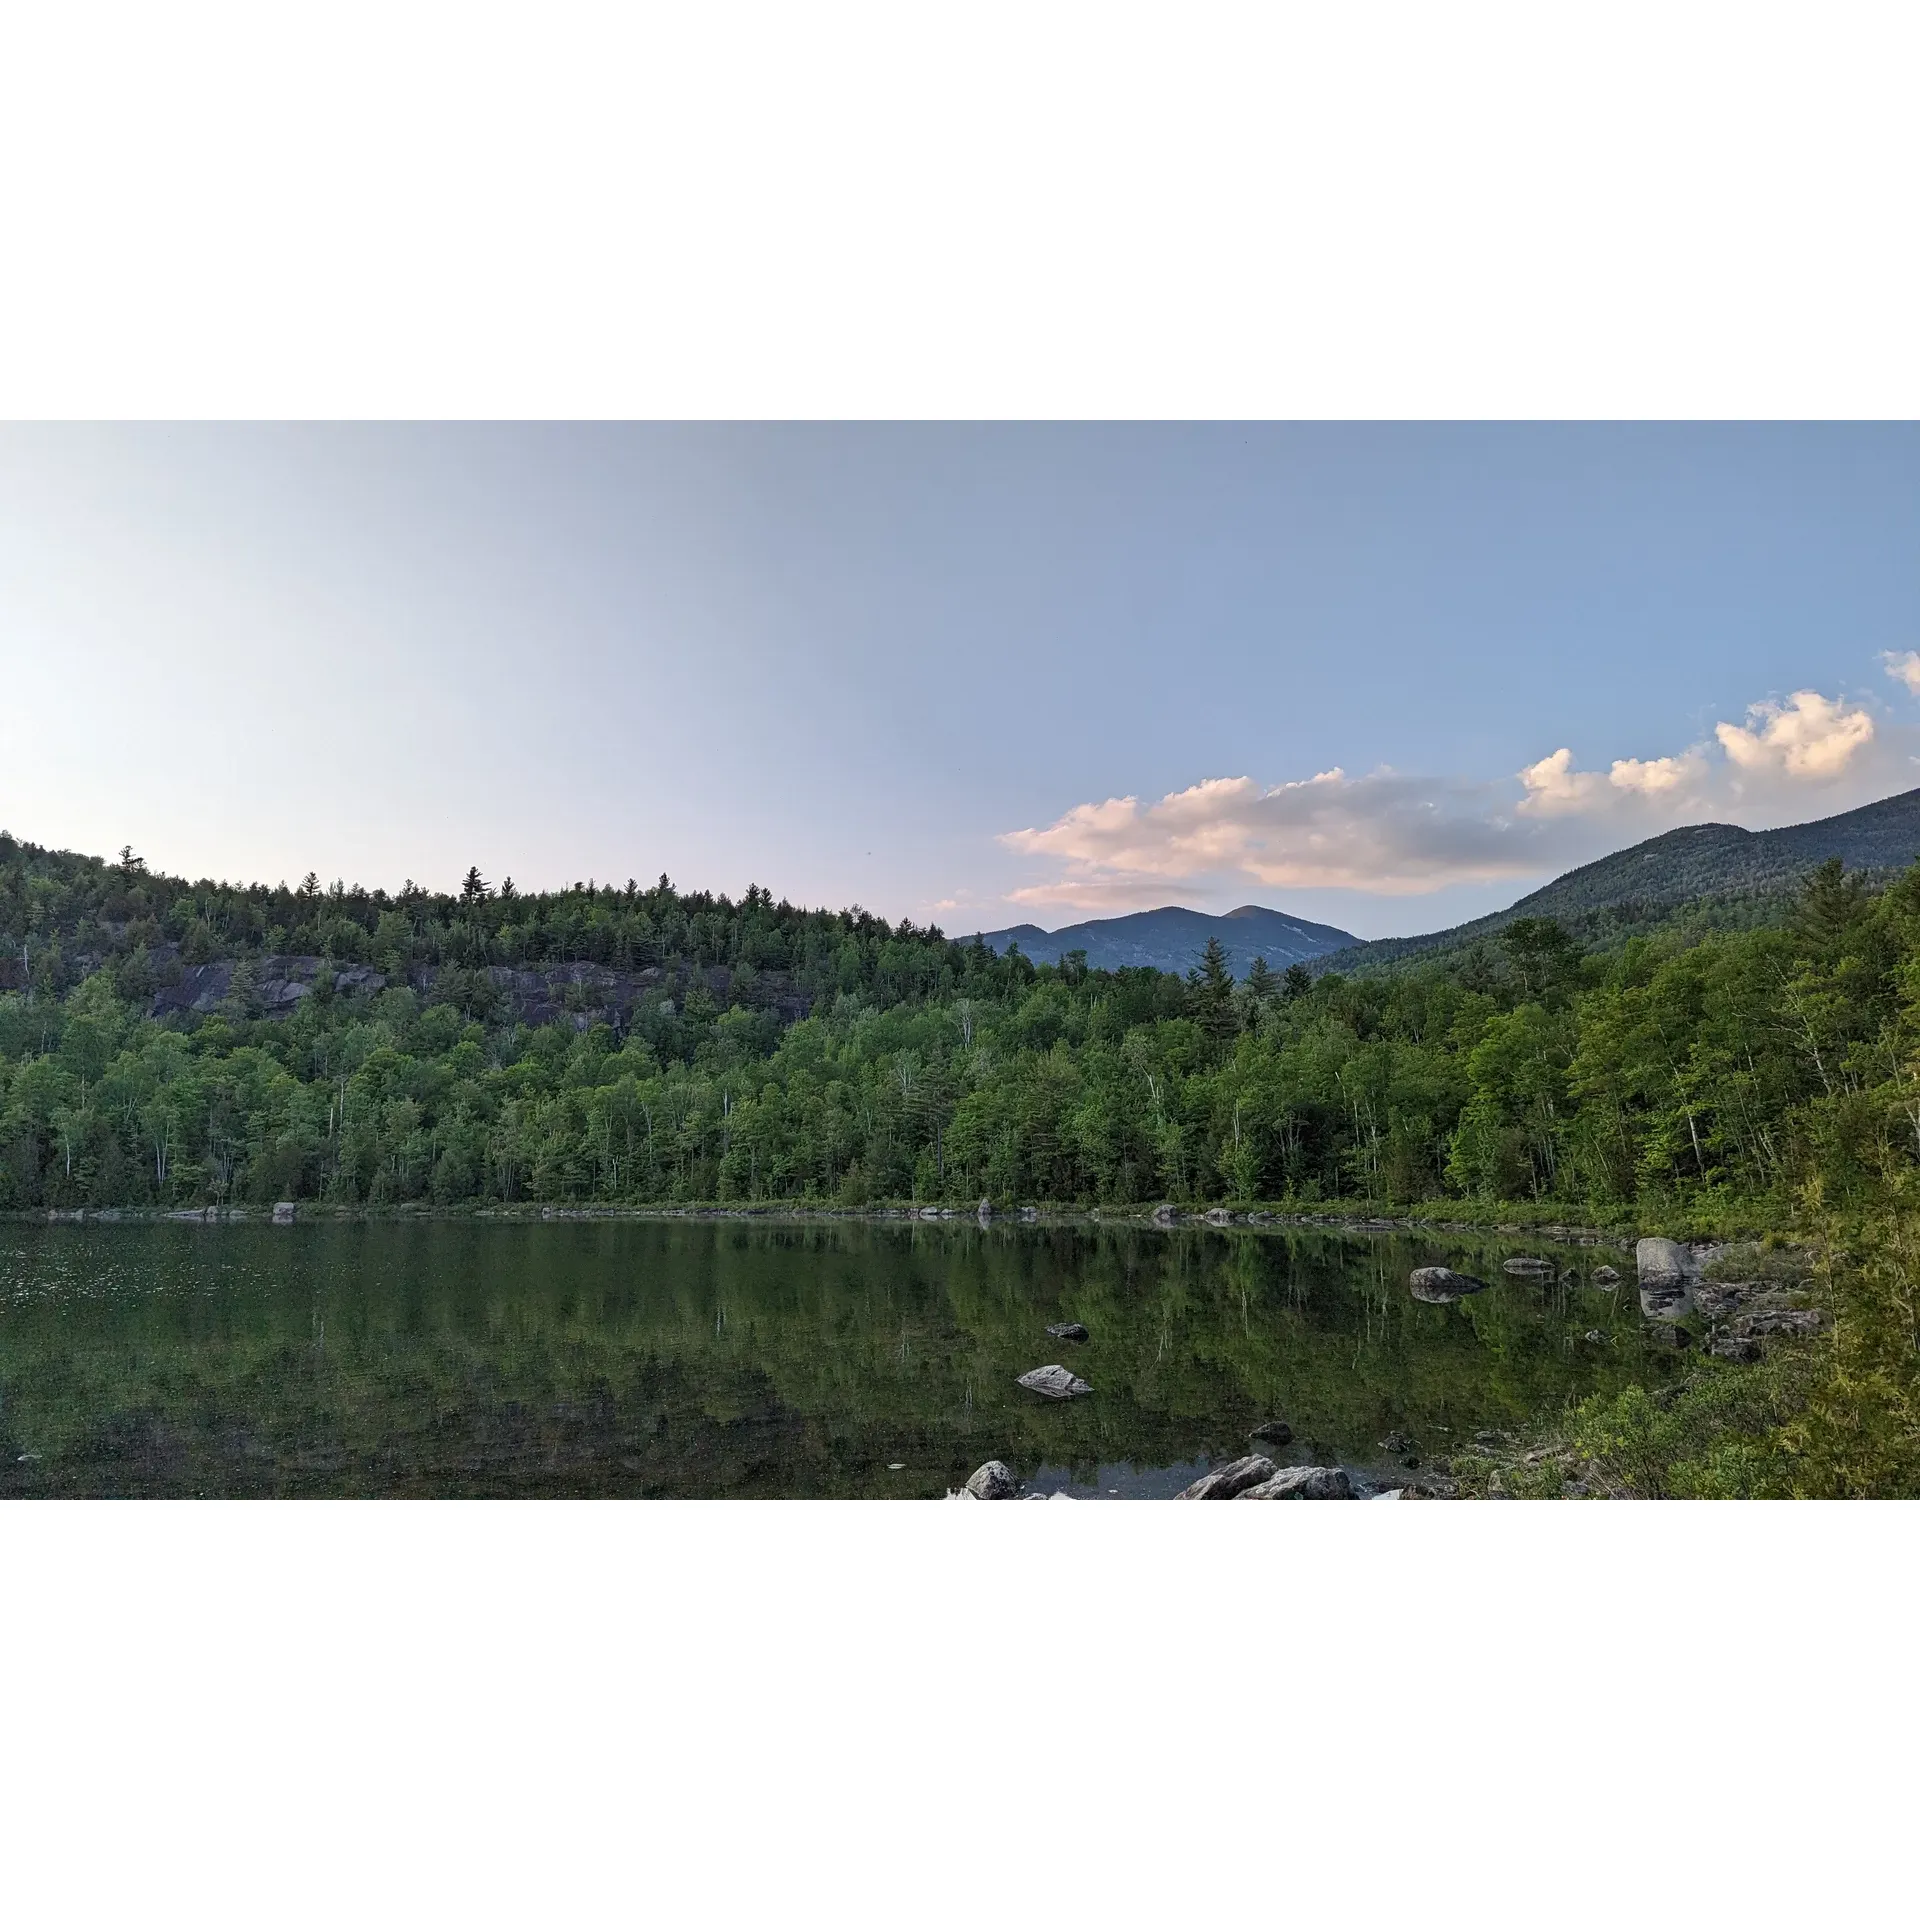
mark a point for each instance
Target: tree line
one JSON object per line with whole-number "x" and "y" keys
{"x": 1744, "y": 1070}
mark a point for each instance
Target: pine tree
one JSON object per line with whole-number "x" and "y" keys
{"x": 1212, "y": 985}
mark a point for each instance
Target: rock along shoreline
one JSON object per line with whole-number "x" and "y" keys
{"x": 1163, "y": 1218}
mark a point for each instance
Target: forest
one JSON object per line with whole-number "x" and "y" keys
{"x": 642, "y": 1045}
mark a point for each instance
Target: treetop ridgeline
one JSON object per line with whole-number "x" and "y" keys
{"x": 166, "y": 1043}
{"x": 66, "y": 907}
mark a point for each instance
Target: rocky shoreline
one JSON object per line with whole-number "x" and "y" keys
{"x": 1681, "y": 1287}
{"x": 1161, "y": 1217}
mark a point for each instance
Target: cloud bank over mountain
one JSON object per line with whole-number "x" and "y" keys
{"x": 1392, "y": 832}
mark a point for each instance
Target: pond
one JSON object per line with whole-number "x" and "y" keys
{"x": 703, "y": 1359}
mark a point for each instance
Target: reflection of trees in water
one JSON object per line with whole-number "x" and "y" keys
{"x": 675, "y": 1357}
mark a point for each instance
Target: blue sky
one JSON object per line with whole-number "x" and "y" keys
{"x": 953, "y": 671}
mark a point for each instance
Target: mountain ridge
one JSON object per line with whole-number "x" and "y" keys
{"x": 1712, "y": 871}
{"x": 1171, "y": 938}
{"x": 1721, "y": 873}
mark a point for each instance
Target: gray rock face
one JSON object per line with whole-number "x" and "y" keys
{"x": 1165, "y": 1216}
{"x": 1437, "y": 1285}
{"x": 1069, "y": 1330}
{"x": 994, "y": 1481}
{"x": 1728, "y": 1346}
{"x": 1230, "y": 1481}
{"x": 1718, "y": 1298}
{"x": 1667, "y": 1273}
{"x": 1219, "y": 1217}
{"x": 1053, "y": 1383}
{"x": 1751, "y": 1326}
{"x": 1302, "y": 1483}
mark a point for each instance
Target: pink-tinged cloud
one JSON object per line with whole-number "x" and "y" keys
{"x": 1394, "y": 833}
{"x": 1805, "y": 737}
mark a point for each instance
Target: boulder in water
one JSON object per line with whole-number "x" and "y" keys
{"x": 283, "y": 1213}
{"x": 1527, "y": 1268}
{"x": 1436, "y": 1285}
{"x": 1605, "y": 1277}
{"x": 994, "y": 1481}
{"x": 1301, "y": 1483}
{"x": 1230, "y": 1481}
{"x": 1053, "y": 1383}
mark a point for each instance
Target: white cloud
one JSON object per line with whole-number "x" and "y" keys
{"x": 1554, "y": 787}
{"x": 1675, "y": 774}
{"x": 1394, "y": 833}
{"x": 1904, "y": 667}
{"x": 1806, "y": 737}
{"x": 1386, "y": 832}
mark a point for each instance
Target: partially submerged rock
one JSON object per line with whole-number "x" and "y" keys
{"x": 1667, "y": 1272}
{"x": 283, "y": 1213}
{"x": 1527, "y": 1268}
{"x": 993, "y": 1481}
{"x": 1436, "y": 1285}
{"x": 1230, "y": 1481}
{"x": 1069, "y": 1330}
{"x": 1165, "y": 1216}
{"x": 1054, "y": 1383}
{"x": 1301, "y": 1483}
{"x": 1605, "y": 1277}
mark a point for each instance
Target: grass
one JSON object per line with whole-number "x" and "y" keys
{"x": 1829, "y": 1418}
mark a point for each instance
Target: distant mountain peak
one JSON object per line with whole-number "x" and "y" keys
{"x": 1172, "y": 938}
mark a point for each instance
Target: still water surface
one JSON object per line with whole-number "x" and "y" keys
{"x": 702, "y": 1359}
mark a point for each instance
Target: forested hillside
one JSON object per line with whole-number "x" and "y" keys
{"x": 681, "y": 1047}
{"x": 1688, "y": 881}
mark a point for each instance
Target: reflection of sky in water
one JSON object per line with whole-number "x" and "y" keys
{"x": 697, "y": 1358}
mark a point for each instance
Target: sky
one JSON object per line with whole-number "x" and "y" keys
{"x": 1384, "y": 676}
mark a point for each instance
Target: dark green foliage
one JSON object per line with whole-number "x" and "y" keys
{"x": 754, "y": 1051}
